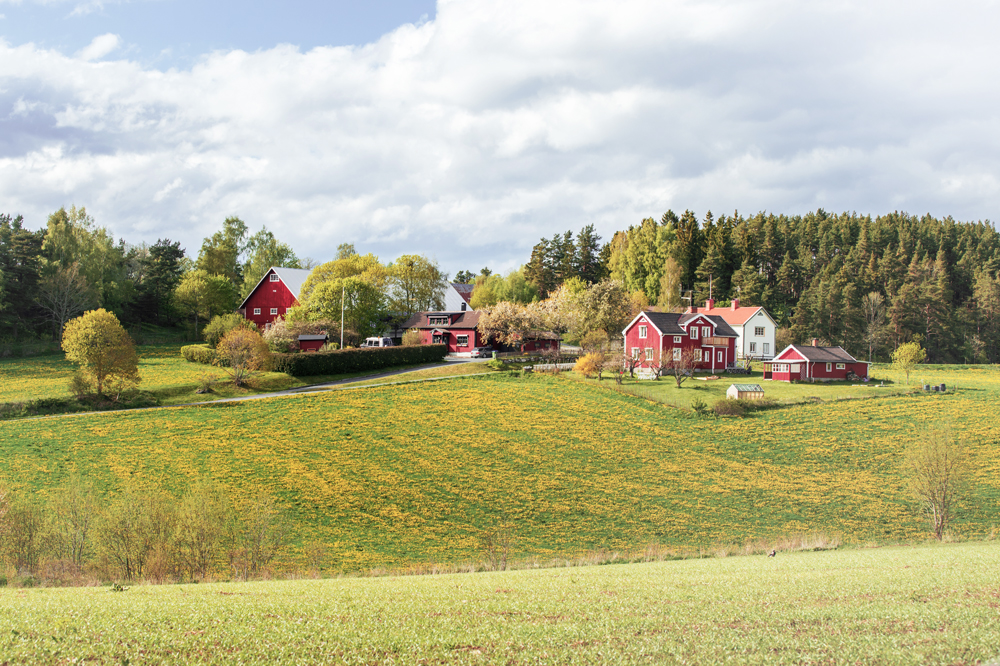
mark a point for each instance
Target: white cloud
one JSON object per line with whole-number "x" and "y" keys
{"x": 470, "y": 136}
{"x": 99, "y": 47}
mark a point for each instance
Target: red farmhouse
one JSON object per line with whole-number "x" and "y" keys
{"x": 812, "y": 363}
{"x": 652, "y": 334}
{"x": 455, "y": 329}
{"x": 277, "y": 291}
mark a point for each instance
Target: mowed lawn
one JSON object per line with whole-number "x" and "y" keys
{"x": 924, "y": 605}
{"x": 401, "y": 475}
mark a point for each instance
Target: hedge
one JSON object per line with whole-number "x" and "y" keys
{"x": 306, "y": 364}
{"x": 198, "y": 354}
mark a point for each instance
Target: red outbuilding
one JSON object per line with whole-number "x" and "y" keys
{"x": 277, "y": 291}
{"x": 814, "y": 363}
{"x": 653, "y": 335}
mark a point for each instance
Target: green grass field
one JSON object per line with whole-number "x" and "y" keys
{"x": 926, "y": 605}
{"x": 401, "y": 475}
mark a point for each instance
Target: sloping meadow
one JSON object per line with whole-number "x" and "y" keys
{"x": 394, "y": 476}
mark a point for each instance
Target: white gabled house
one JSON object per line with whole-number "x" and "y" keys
{"x": 755, "y": 329}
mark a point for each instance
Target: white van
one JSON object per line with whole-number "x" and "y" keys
{"x": 377, "y": 342}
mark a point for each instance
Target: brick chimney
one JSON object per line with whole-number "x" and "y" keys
{"x": 736, "y": 304}
{"x": 693, "y": 308}
{"x": 709, "y": 304}
{"x": 815, "y": 342}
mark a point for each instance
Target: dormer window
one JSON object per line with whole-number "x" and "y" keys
{"x": 438, "y": 320}
{"x": 275, "y": 278}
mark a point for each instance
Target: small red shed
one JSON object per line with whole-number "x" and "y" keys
{"x": 277, "y": 291}
{"x": 312, "y": 342}
{"x": 814, "y": 363}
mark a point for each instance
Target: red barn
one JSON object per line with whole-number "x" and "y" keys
{"x": 277, "y": 291}
{"x": 455, "y": 329}
{"x": 654, "y": 334}
{"x": 814, "y": 363}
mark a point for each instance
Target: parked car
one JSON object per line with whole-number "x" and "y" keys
{"x": 482, "y": 352}
{"x": 377, "y": 342}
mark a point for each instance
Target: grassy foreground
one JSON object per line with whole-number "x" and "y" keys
{"x": 926, "y": 605}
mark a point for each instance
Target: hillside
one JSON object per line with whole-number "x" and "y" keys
{"x": 927, "y": 605}
{"x": 397, "y": 475}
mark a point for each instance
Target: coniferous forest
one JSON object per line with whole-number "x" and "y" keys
{"x": 866, "y": 283}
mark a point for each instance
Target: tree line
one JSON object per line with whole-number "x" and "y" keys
{"x": 866, "y": 283}
{"x": 51, "y": 275}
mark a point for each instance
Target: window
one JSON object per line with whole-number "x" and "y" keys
{"x": 635, "y": 352}
{"x": 841, "y": 366}
{"x": 753, "y": 347}
{"x": 767, "y": 347}
{"x": 463, "y": 340}
{"x": 256, "y": 311}
{"x": 829, "y": 367}
{"x": 649, "y": 353}
{"x": 642, "y": 331}
{"x": 694, "y": 332}
{"x": 275, "y": 278}
{"x": 719, "y": 357}
{"x": 274, "y": 311}
{"x": 697, "y": 355}
{"x": 677, "y": 339}
{"x": 433, "y": 321}
{"x": 706, "y": 331}
{"x": 758, "y": 331}
{"x": 677, "y": 353}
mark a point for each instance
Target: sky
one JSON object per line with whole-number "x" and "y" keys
{"x": 469, "y": 129}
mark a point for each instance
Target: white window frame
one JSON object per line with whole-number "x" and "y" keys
{"x": 275, "y": 278}
{"x": 636, "y": 352}
{"x": 706, "y": 331}
{"x": 767, "y": 347}
{"x": 841, "y": 366}
{"x": 758, "y": 331}
{"x": 256, "y": 311}
{"x": 677, "y": 353}
{"x": 697, "y": 356}
{"x": 642, "y": 332}
{"x": 718, "y": 358}
{"x": 677, "y": 339}
{"x": 829, "y": 367}
{"x": 694, "y": 332}
{"x": 462, "y": 340}
{"x": 649, "y": 353}
{"x": 753, "y": 347}
{"x": 274, "y": 311}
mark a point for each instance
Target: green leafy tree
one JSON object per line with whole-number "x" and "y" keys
{"x": 907, "y": 357}
{"x": 203, "y": 296}
{"x": 365, "y": 307}
{"x": 416, "y": 285}
{"x": 103, "y": 349}
{"x": 222, "y": 252}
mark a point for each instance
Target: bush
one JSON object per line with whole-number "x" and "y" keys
{"x": 590, "y": 365}
{"x": 243, "y": 354}
{"x": 198, "y": 354}
{"x": 356, "y": 360}
{"x": 412, "y": 337}
{"x": 727, "y": 407}
{"x": 497, "y": 364}
{"x": 222, "y": 324}
{"x": 700, "y": 407}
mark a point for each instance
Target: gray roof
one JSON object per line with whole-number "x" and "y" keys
{"x": 747, "y": 388}
{"x": 314, "y": 337}
{"x": 669, "y": 323}
{"x": 824, "y": 354}
{"x": 292, "y": 278}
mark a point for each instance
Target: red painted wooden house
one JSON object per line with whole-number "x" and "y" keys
{"x": 652, "y": 334}
{"x": 455, "y": 329}
{"x": 814, "y": 363}
{"x": 277, "y": 291}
